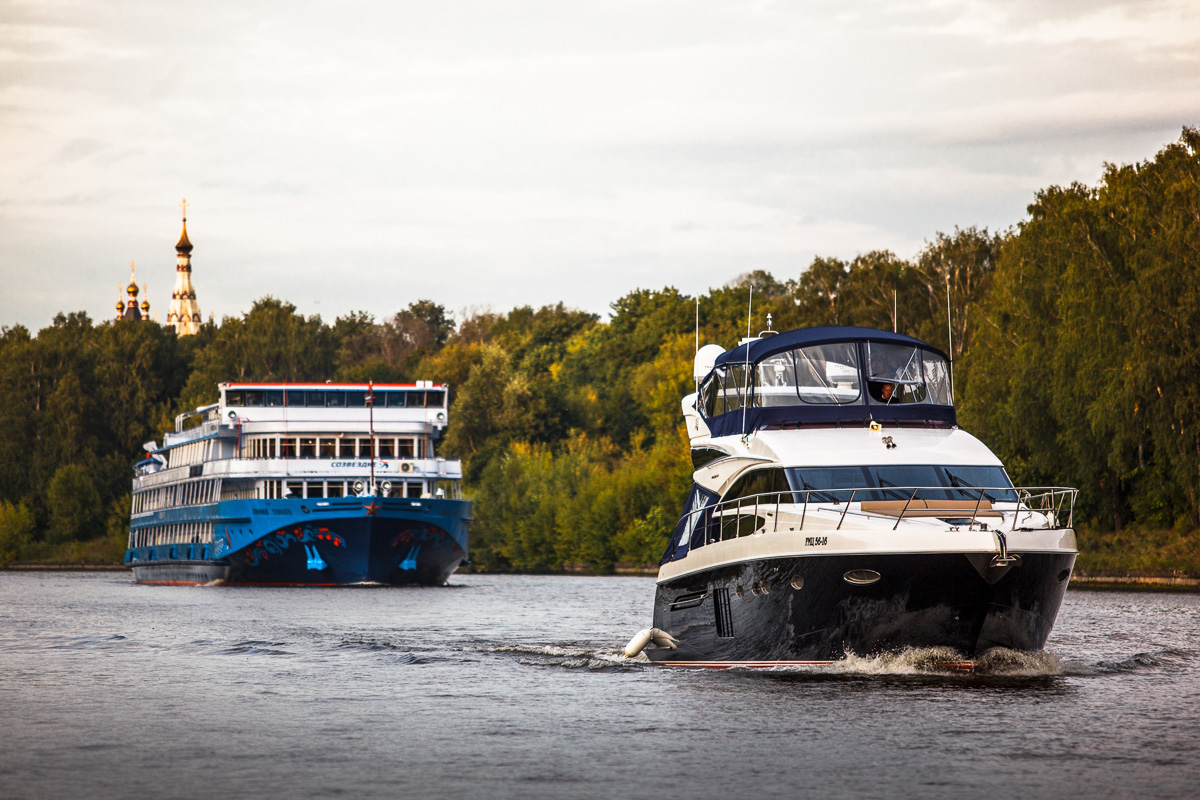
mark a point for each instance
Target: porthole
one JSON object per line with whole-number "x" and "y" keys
{"x": 861, "y": 577}
{"x": 797, "y": 583}
{"x": 766, "y": 587}
{"x": 1062, "y": 576}
{"x": 756, "y": 589}
{"x": 741, "y": 593}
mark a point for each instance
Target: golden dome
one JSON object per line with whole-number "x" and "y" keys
{"x": 184, "y": 246}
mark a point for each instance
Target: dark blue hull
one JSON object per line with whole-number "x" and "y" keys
{"x": 335, "y": 542}
{"x": 812, "y": 609}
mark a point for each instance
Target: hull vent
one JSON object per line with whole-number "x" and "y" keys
{"x": 721, "y": 608}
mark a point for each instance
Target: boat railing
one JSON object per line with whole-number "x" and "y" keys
{"x": 1031, "y": 508}
{"x": 206, "y": 428}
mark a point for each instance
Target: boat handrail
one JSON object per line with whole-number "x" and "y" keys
{"x": 1051, "y": 503}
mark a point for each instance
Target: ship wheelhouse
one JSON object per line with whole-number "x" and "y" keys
{"x": 827, "y": 376}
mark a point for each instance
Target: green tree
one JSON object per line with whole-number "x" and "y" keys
{"x": 74, "y": 506}
{"x": 17, "y": 526}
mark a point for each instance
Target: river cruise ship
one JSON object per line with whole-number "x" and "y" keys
{"x": 310, "y": 484}
{"x": 837, "y": 508}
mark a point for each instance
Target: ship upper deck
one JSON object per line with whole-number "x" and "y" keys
{"x": 420, "y": 409}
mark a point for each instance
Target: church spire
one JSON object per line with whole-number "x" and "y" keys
{"x": 184, "y": 246}
{"x": 184, "y": 312}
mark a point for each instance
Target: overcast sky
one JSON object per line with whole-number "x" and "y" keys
{"x": 359, "y": 156}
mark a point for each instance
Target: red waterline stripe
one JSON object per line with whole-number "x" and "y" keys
{"x": 956, "y": 666}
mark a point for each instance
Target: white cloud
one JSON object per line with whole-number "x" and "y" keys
{"x": 486, "y": 154}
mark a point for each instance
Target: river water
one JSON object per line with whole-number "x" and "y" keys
{"x": 514, "y": 686}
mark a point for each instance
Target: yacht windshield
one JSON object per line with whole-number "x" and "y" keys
{"x": 932, "y": 482}
{"x": 824, "y": 374}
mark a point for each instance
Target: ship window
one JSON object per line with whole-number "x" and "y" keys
{"x": 933, "y": 482}
{"x": 937, "y": 378}
{"x": 899, "y": 375}
{"x": 254, "y": 398}
{"x": 433, "y": 399}
{"x": 357, "y": 399}
{"x": 763, "y": 485}
{"x": 710, "y": 393}
{"x": 387, "y": 448}
{"x": 235, "y": 397}
{"x": 329, "y": 448}
{"x": 287, "y": 447}
{"x": 294, "y": 489}
{"x": 733, "y": 384}
{"x": 364, "y": 448}
{"x": 335, "y": 399}
{"x": 702, "y": 456}
{"x": 314, "y": 399}
{"x": 308, "y": 447}
{"x": 315, "y": 489}
{"x": 271, "y": 449}
{"x": 405, "y": 448}
{"x": 336, "y": 489}
{"x": 825, "y": 374}
{"x": 415, "y": 399}
{"x": 295, "y": 398}
{"x": 389, "y": 399}
{"x": 273, "y": 398}
{"x": 412, "y": 489}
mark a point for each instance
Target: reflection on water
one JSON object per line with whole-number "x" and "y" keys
{"x": 516, "y": 686}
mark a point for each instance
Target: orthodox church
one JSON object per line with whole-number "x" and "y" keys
{"x": 184, "y": 312}
{"x": 130, "y": 309}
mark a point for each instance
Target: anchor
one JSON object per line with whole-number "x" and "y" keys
{"x": 1004, "y": 559}
{"x": 410, "y": 560}
{"x": 314, "y": 558}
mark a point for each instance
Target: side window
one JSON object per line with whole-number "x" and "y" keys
{"x": 709, "y": 392}
{"x": 766, "y": 485}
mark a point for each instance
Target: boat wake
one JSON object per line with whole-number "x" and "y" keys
{"x": 573, "y": 657}
{"x": 1165, "y": 659}
{"x": 945, "y": 660}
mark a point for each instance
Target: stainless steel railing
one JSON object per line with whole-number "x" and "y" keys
{"x": 1030, "y": 508}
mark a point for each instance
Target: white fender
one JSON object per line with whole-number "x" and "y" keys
{"x": 646, "y": 636}
{"x": 637, "y": 643}
{"x": 663, "y": 639}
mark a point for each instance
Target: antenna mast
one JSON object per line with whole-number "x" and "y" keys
{"x": 895, "y": 314}
{"x": 746, "y": 399}
{"x": 950, "y": 337}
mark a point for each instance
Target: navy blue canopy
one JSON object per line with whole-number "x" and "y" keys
{"x": 824, "y": 334}
{"x": 863, "y": 411}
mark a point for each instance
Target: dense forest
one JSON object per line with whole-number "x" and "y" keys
{"x": 1076, "y": 340}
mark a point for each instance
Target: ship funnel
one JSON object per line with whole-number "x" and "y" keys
{"x": 705, "y": 358}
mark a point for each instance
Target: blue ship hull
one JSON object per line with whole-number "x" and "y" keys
{"x": 316, "y": 542}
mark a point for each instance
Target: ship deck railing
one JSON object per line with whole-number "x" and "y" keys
{"x": 1022, "y": 508}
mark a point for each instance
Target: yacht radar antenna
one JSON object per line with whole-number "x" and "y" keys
{"x": 746, "y": 398}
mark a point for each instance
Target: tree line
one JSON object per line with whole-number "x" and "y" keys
{"x": 1074, "y": 338}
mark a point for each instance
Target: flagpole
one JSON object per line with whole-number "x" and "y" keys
{"x": 371, "y": 426}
